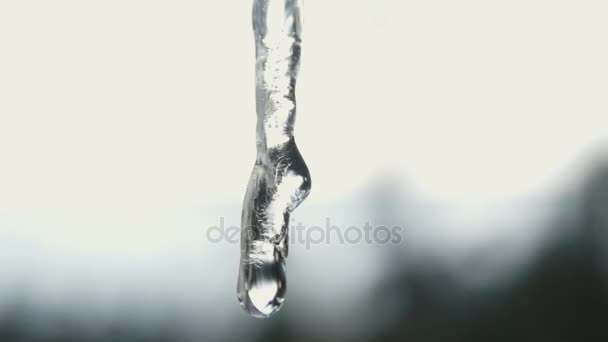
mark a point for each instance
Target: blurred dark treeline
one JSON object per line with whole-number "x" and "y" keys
{"x": 562, "y": 295}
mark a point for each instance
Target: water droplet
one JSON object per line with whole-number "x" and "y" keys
{"x": 261, "y": 286}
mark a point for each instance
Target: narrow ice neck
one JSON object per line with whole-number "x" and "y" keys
{"x": 277, "y": 28}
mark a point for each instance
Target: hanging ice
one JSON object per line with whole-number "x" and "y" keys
{"x": 280, "y": 180}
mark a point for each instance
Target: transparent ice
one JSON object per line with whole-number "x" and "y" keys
{"x": 280, "y": 180}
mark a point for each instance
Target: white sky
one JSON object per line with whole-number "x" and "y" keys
{"x": 149, "y": 103}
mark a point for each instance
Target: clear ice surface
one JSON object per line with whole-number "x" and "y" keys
{"x": 280, "y": 180}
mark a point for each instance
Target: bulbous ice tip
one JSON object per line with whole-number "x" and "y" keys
{"x": 261, "y": 286}
{"x": 262, "y": 300}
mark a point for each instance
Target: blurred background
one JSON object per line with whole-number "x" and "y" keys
{"x": 127, "y": 129}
